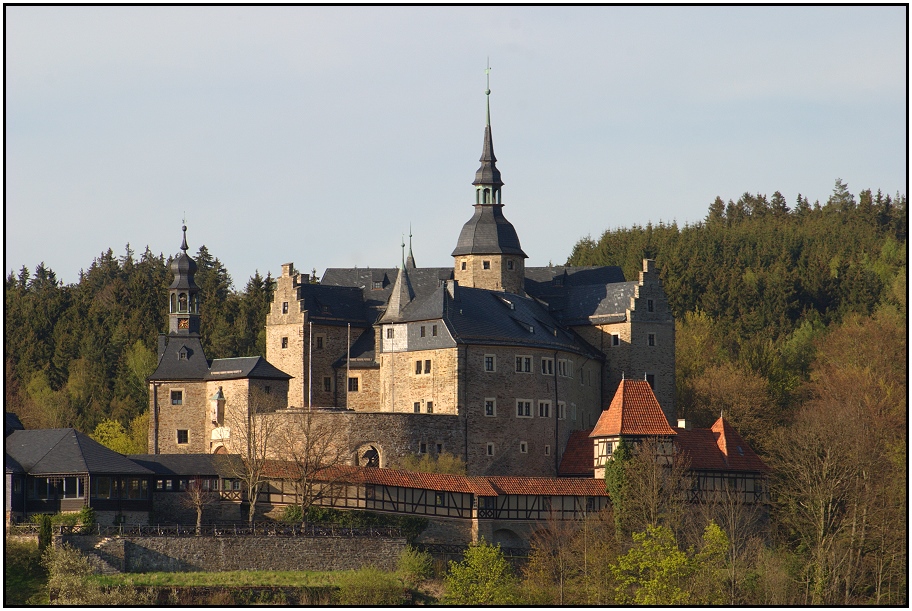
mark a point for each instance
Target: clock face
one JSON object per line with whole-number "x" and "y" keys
{"x": 183, "y": 323}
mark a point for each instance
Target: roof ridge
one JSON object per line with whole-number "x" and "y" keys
{"x": 50, "y": 448}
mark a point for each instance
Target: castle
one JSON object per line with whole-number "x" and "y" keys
{"x": 490, "y": 360}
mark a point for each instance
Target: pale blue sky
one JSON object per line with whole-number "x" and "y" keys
{"x": 318, "y": 134}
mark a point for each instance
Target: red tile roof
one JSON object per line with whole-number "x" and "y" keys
{"x": 634, "y": 410}
{"x": 719, "y": 448}
{"x": 477, "y": 485}
{"x": 578, "y": 456}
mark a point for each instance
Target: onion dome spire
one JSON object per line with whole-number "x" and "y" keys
{"x": 488, "y": 174}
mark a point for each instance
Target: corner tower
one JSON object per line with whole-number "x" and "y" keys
{"x": 488, "y": 254}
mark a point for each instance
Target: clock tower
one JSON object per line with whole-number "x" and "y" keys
{"x": 183, "y": 295}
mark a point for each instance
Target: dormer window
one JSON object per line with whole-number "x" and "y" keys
{"x": 183, "y": 353}
{"x": 377, "y": 284}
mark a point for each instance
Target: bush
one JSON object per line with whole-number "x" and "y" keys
{"x": 292, "y": 514}
{"x": 68, "y": 582}
{"x": 87, "y": 518}
{"x": 44, "y": 532}
{"x": 24, "y": 577}
{"x": 369, "y": 587}
{"x": 414, "y": 566}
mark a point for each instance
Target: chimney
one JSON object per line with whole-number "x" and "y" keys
{"x": 451, "y": 286}
{"x": 288, "y": 269}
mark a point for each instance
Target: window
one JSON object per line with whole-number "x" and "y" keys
{"x": 650, "y": 305}
{"x": 284, "y": 307}
{"x": 615, "y": 339}
{"x": 485, "y": 265}
{"x": 267, "y": 390}
{"x": 422, "y": 330}
{"x": 524, "y": 364}
{"x": 319, "y": 340}
{"x": 434, "y": 330}
{"x": 651, "y": 339}
{"x": 327, "y": 384}
{"x": 377, "y": 284}
{"x": 352, "y": 384}
{"x": 177, "y": 397}
{"x": 439, "y": 448}
{"x": 565, "y": 368}
{"x": 430, "y": 407}
{"x": 547, "y": 366}
{"x": 561, "y": 410}
{"x": 651, "y": 379}
{"x": 463, "y": 265}
{"x": 284, "y": 343}
{"x": 182, "y": 354}
{"x": 438, "y": 499}
{"x": 523, "y": 408}
{"x": 573, "y": 413}
{"x": 490, "y": 449}
{"x": 183, "y": 436}
{"x": 547, "y": 450}
{"x": 370, "y": 491}
{"x": 490, "y": 407}
{"x": 169, "y": 484}
{"x": 417, "y": 407}
{"x": 544, "y": 409}
{"x": 390, "y": 333}
{"x": 510, "y": 264}
{"x": 523, "y": 448}
{"x": 490, "y": 362}
{"x": 417, "y": 368}
{"x": 422, "y": 448}
{"x": 160, "y": 484}
{"x": 427, "y": 366}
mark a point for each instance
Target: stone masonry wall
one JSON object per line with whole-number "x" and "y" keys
{"x": 402, "y": 387}
{"x": 189, "y": 416}
{"x": 496, "y": 278}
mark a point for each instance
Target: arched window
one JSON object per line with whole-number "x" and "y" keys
{"x": 182, "y": 302}
{"x": 487, "y": 196}
{"x": 173, "y": 302}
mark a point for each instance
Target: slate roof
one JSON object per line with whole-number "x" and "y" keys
{"x": 172, "y": 367}
{"x": 206, "y": 465}
{"x": 477, "y": 485}
{"x": 11, "y": 423}
{"x": 245, "y": 367}
{"x": 333, "y": 304}
{"x": 423, "y": 280}
{"x": 634, "y": 410}
{"x": 577, "y": 460}
{"x": 488, "y": 232}
{"x": 64, "y": 451}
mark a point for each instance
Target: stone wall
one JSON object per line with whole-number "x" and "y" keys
{"x": 189, "y": 416}
{"x": 402, "y": 387}
{"x": 263, "y": 553}
{"x": 497, "y": 277}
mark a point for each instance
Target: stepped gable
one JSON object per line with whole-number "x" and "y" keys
{"x": 245, "y": 367}
{"x": 634, "y": 411}
{"x": 59, "y": 451}
{"x": 577, "y": 460}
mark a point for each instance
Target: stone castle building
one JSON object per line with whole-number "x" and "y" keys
{"x": 493, "y": 361}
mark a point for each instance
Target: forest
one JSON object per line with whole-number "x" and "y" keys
{"x": 791, "y": 321}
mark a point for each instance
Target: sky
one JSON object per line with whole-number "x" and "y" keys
{"x": 322, "y": 135}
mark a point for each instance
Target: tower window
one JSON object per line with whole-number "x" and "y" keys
{"x": 490, "y": 362}
{"x": 422, "y": 448}
{"x": 427, "y": 366}
{"x": 284, "y": 307}
{"x": 352, "y": 384}
{"x": 327, "y": 384}
{"x": 510, "y": 264}
{"x": 462, "y": 265}
{"x": 434, "y": 330}
{"x": 547, "y": 450}
{"x": 183, "y": 436}
{"x": 417, "y": 407}
{"x": 615, "y": 339}
{"x": 486, "y": 265}
{"x": 490, "y": 407}
{"x": 177, "y": 397}
{"x": 523, "y": 448}
{"x": 417, "y": 367}
{"x": 651, "y": 380}
{"x": 182, "y": 302}
{"x": 650, "y": 305}
{"x": 319, "y": 341}
{"x": 490, "y": 449}
{"x": 284, "y": 343}
{"x": 422, "y": 330}
{"x": 390, "y": 333}
{"x": 651, "y": 339}
{"x": 430, "y": 407}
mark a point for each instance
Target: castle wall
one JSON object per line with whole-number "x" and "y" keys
{"x": 187, "y": 416}
{"x": 402, "y": 386}
{"x": 525, "y": 445}
{"x": 287, "y": 322}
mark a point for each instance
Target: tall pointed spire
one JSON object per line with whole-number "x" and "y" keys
{"x": 402, "y": 293}
{"x": 410, "y": 260}
{"x": 488, "y": 175}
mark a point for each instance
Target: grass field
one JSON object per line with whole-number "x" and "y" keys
{"x": 226, "y": 578}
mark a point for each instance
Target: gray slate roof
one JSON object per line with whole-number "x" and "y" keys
{"x": 245, "y": 367}
{"x": 65, "y": 451}
{"x": 11, "y": 423}
{"x": 488, "y": 232}
{"x": 205, "y": 465}
{"x": 172, "y": 367}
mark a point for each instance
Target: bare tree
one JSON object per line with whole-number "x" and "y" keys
{"x": 657, "y": 485}
{"x": 252, "y": 433}
{"x": 198, "y": 496}
{"x": 315, "y": 449}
